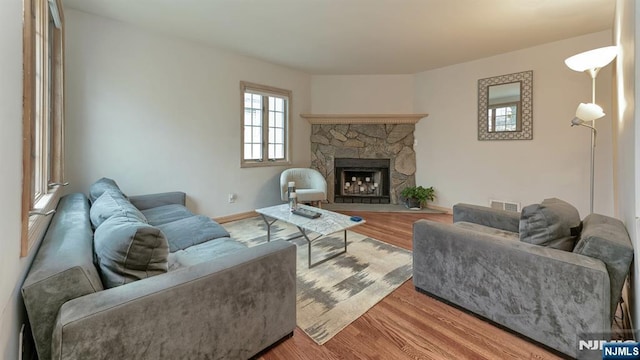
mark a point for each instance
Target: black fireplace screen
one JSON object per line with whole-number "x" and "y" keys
{"x": 362, "y": 181}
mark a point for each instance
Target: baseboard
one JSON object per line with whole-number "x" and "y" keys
{"x": 445, "y": 210}
{"x": 28, "y": 348}
{"x": 234, "y": 217}
{"x": 626, "y": 317}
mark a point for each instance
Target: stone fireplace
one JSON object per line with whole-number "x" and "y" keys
{"x": 383, "y": 142}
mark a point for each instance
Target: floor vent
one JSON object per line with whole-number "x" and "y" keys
{"x": 504, "y": 205}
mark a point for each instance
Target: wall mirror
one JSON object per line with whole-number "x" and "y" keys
{"x": 505, "y": 107}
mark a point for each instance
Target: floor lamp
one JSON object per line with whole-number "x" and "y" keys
{"x": 591, "y": 62}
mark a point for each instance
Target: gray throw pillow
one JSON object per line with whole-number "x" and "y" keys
{"x": 113, "y": 203}
{"x": 128, "y": 250}
{"x": 553, "y": 223}
{"x": 97, "y": 188}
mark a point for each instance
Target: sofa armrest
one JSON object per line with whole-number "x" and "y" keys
{"x": 227, "y": 308}
{"x": 483, "y": 215}
{"x": 143, "y": 202}
{"x": 546, "y": 294}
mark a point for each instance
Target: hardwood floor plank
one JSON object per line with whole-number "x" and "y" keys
{"x": 408, "y": 324}
{"x": 452, "y": 332}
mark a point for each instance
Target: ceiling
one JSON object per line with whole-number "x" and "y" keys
{"x": 362, "y": 36}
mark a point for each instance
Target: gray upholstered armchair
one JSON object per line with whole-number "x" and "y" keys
{"x": 310, "y": 185}
{"x": 542, "y": 273}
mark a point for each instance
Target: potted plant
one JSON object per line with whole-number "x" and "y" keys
{"x": 416, "y": 196}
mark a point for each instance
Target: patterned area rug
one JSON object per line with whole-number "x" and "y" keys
{"x": 333, "y": 294}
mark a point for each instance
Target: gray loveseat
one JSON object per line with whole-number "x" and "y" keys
{"x": 535, "y": 273}
{"x": 211, "y": 297}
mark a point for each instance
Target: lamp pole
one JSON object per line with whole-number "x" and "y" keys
{"x": 593, "y": 161}
{"x": 594, "y": 74}
{"x": 591, "y": 62}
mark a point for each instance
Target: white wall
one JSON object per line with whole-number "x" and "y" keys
{"x": 12, "y": 267}
{"x": 555, "y": 163}
{"x": 158, "y": 114}
{"x": 362, "y": 94}
{"x": 627, "y": 134}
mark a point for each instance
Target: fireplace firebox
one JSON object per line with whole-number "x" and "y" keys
{"x": 362, "y": 181}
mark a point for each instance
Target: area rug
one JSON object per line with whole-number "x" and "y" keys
{"x": 333, "y": 294}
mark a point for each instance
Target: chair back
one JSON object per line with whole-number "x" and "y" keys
{"x": 304, "y": 178}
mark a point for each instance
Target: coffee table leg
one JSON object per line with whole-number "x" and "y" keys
{"x": 309, "y": 241}
{"x": 345, "y": 241}
{"x": 269, "y": 226}
{"x": 308, "y": 249}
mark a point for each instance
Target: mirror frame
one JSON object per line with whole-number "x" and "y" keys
{"x": 526, "y": 106}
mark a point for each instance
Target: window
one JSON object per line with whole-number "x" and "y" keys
{"x": 43, "y": 114}
{"x": 504, "y": 117}
{"x": 265, "y": 125}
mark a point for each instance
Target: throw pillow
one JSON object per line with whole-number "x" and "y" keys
{"x": 113, "y": 203}
{"x": 128, "y": 250}
{"x": 553, "y": 223}
{"x": 97, "y": 188}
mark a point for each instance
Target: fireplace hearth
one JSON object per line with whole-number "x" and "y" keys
{"x": 362, "y": 181}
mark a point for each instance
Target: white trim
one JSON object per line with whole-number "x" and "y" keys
{"x": 263, "y": 90}
{"x": 38, "y": 223}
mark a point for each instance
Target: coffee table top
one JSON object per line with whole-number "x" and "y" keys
{"x": 329, "y": 222}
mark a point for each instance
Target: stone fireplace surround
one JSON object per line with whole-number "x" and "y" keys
{"x": 365, "y": 137}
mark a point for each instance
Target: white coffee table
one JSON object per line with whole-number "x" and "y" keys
{"x": 328, "y": 223}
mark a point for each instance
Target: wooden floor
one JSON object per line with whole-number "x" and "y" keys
{"x": 408, "y": 324}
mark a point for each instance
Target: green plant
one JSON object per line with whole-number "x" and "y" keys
{"x": 419, "y": 193}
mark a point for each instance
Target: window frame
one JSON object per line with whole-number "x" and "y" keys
{"x": 43, "y": 117}
{"x": 491, "y": 126}
{"x": 265, "y": 91}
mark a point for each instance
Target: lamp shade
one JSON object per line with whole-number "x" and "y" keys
{"x": 592, "y": 59}
{"x": 589, "y": 112}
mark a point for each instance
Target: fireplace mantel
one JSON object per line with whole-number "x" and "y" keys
{"x": 363, "y": 118}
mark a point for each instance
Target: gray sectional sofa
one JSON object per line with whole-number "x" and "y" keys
{"x": 542, "y": 273}
{"x": 142, "y": 277}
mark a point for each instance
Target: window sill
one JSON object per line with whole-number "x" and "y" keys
{"x": 248, "y": 164}
{"x": 38, "y": 223}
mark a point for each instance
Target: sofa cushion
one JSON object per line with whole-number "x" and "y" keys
{"x": 190, "y": 231}
{"x": 553, "y": 223}
{"x": 606, "y": 238}
{"x": 507, "y": 235}
{"x": 204, "y": 252}
{"x": 310, "y": 194}
{"x": 113, "y": 203}
{"x": 128, "y": 250}
{"x": 166, "y": 213}
{"x": 97, "y": 188}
